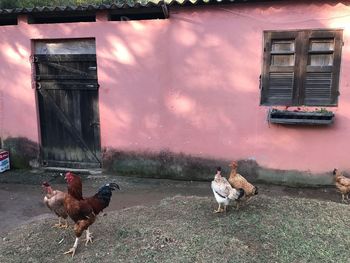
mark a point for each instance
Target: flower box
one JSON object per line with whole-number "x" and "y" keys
{"x": 301, "y": 117}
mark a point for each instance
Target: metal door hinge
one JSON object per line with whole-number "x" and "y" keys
{"x": 34, "y": 59}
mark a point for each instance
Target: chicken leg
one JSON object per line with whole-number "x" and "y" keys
{"x": 60, "y": 225}
{"x": 72, "y": 250}
{"x": 219, "y": 210}
{"x": 343, "y": 198}
{"x": 66, "y": 224}
{"x": 89, "y": 237}
{"x": 237, "y": 205}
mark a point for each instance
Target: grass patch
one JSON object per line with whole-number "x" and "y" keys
{"x": 184, "y": 229}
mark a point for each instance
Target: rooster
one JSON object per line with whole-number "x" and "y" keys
{"x": 238, "y": 181}
{"x": 83, "y": 211}
{"x": 342, "y": 183}
{"x": 223, "y": 191}
{"x": 54, "y": 199}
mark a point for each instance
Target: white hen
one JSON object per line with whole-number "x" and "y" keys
{"x": 223, "y": 191}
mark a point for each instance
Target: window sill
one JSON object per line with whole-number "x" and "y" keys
{"x": 300, "y": 117}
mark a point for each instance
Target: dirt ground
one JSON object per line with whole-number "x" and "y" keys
{"x": 185, "y": 229}
{"x": 152, "y": 220}
{"x": 22, "y": 203}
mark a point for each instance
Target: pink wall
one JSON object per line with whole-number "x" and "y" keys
{"x": 189, "y": 84}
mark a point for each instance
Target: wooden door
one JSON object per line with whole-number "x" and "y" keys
{"x": 67, "y": 95}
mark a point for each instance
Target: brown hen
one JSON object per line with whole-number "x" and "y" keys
{"x": 238, "y": 181}
{"x": 342, "y": 183}
{"x": 54, "y": 199}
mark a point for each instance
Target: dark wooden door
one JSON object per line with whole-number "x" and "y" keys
{"x": 67, "y": 95}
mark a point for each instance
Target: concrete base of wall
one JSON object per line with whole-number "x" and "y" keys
{"x": 22, "y": 151}
{"x": 169, "y": 165}
{"x": 294, "y": 178}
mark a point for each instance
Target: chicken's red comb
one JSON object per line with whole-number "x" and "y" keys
{"x": 233, "y": 164}
{"x": 46, "y": 184}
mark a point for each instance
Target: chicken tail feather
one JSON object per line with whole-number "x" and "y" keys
{"x": 240, "y": 193}
{"x": 236, "y": 194}
{"x": 255, "y": 190}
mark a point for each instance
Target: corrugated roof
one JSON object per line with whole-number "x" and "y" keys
{"x": 119, "y": 5}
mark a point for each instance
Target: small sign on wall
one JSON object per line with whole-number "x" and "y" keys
{"x": 4, "y": 160}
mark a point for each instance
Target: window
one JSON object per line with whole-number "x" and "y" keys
{"x": 73, "y": 17}
{"x": 301, "y": 67}
{"x": 137, "y": 14}
{"x": 8, "y": 20}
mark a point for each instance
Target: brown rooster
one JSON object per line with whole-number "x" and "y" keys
{"x": 83, "y": 211}
{"x": 342, "y": 183}
{"x": 238, "y": 181}
{"x": 54, "y": 199}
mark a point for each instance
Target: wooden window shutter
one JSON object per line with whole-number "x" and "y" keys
{"x": 322, "y": 66}
{"x": 278, "y": 75}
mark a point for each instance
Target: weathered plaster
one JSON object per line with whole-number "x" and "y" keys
{"x": 188, "y": 84}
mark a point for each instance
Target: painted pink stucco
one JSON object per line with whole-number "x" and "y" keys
{"x": 188, "y": 84}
